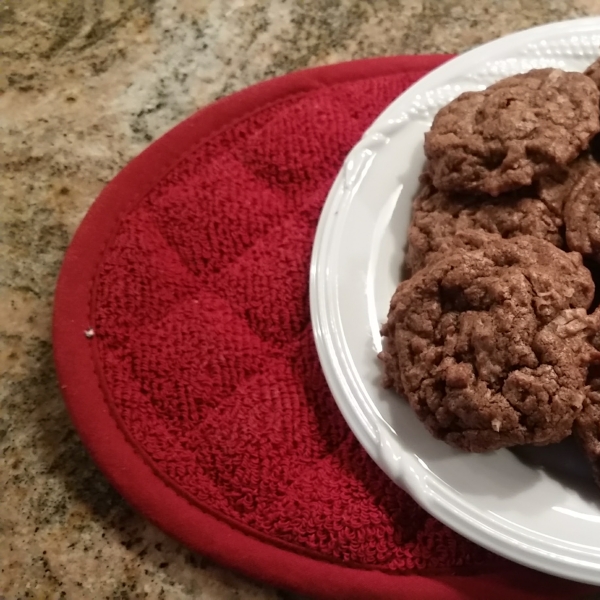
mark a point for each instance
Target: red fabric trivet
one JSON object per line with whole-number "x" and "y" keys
{"x": 199, "y": 392}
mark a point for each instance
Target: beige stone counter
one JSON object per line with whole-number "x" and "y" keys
{"x": 85, "y": 85}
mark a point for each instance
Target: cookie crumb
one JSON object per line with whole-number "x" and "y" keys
{"x": 89, "y": 333}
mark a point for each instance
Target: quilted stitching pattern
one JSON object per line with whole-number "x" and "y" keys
{"x": 202, "y": 324}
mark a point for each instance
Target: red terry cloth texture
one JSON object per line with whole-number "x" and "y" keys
{"x": 199, "y": 393}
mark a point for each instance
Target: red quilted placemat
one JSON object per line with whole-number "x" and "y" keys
{"x": 185, "y": 353}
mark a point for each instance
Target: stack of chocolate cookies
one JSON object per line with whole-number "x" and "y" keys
{"x": 492, "y": 339}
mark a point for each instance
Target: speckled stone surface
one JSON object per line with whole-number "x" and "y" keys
{"x": 85, "y": 85}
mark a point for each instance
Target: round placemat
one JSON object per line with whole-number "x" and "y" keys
{"x": 184, "y": 351}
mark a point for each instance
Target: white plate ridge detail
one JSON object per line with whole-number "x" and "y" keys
{"x": 547, "y": 518}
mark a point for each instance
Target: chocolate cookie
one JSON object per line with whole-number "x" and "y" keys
{"x": 513, "y": 132}
{"x": 587, "y": 423}
{"x": 587, "y": 426}
{"x": 582, "y": 211}
{"x": 484, "y": 343}
{"x": 593, "y": 72}
{"x": 439, "y": 216}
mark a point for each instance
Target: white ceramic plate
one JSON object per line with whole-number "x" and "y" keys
{"x": 536, "y": 506}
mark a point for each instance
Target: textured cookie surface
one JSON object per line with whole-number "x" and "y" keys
{"x": 513, "y": 132}
{"x": 587, "y": 423}
{"x": 582, "y": 210}
{"x": 593, "y": 72}
{"x": 439, "y": 216}
{"x": 489, "y": 346}
{"x": 587, "y": 426}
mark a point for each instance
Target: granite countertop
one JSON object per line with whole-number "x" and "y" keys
{"x": 85, "y": 85}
